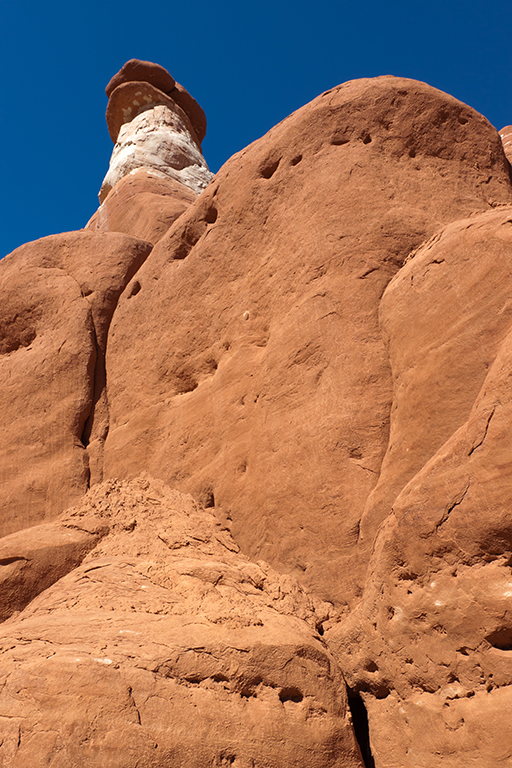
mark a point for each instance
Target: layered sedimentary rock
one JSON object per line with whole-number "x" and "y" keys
{"x": 506, "y": 137}
{"x": 157, "y": 167}
{"x": 319, "y": 349}
{"x": 182, "y": 651}
{"x": 159, "y": 139}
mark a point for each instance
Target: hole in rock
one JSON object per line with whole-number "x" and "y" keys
{"x": 462, "y": 120}
{"x": 9, "y": 560}
{"x": 501, "y": 639}
{"x": 367, "y": 138}
{"x": 361, "y": 729}
{"x": 412, "y": 152}
{"x": 338, "y": 141}
{"x": 268, "y": 169}
{"x": 291, "y": 694}
{"x": 220, "y": 678}
{"x": 211, "y": 215}
{"x": 134, "y": 289}
{"x": 296, "y": 160}
{"x": 250, "y": 687}
{"x": 208, "y": 499}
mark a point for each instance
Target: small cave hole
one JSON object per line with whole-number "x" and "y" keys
{"x": 412, "y": 152}
{"x": 320, "y": 629}
{"x": 462, "y": 120}
{"x": 361, "y": 728}
{"x": 250, "y": 687}
{"x": 211, "y": 215}
{"x": 268, "y": 169}
{"x": 366, "y": 138}
{"x": 339, "y": 141}
{"x": 296, "y": 160}
{"x": 501, "y": 639}
{"x": 220, "y": 678}
{"x": 134, "y": 289}
{"x": 291, "y": 694}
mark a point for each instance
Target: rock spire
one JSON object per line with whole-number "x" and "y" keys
{"x": 155, "y": 124}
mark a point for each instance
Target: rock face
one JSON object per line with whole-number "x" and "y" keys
{"x": 166, "y": 622}
{"x": 144, "y": 203}
{"x": 318, "y": 348}
{"x": 269, "y": 390}
{"x": 59, "y": 294}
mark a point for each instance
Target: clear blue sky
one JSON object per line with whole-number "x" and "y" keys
{"x": 248, "y": 64}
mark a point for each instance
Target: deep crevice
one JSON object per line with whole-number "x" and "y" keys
{"x": 361, "y": 728}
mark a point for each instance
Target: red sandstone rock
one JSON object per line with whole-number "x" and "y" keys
{"x": 268, "y": 389}
{"x": 444, "y": 317}
{"x": 59, "y": 294}
{"x": 168, "y": 647}
{"x": 143, "y": 204}
{"x": 147, "y": 82}
{"x": 433, "y": 633}
{"x": 145, "y": 71}
{"x": 320, "y": 348}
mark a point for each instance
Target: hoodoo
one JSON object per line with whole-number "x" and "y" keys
{"x": 255, "y": 471}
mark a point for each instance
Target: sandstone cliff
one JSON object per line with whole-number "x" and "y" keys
{"x": 315, "y": 344}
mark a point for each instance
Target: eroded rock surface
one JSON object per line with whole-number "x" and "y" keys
{"x": 58, "y": 296}
{"x": 180, "y": 649}
{"x": 268, "y": 390}
{"x": 158, "y": 139}
{"x": 431, "y": 641}
{"x": 319, "y": 348}
{"x": 144, "y": 203}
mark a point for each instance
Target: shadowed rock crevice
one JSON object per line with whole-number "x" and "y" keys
{"x": 361, "y": 728}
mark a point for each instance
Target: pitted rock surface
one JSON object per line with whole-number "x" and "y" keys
{"x": 319, "y": 348}
{"x": 269, "y": 387}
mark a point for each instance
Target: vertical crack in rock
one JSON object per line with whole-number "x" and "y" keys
{"x": 361, "y": 728}
{"x": 458, "y": 500}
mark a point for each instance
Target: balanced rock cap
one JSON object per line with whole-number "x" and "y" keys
{"x": 156, "y": 86}
{"x": 135, "y": 69}
{"x": 130, "y": 99}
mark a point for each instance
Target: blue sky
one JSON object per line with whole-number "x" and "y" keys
{"x": 249, "y": 65}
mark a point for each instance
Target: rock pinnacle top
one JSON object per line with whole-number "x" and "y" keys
{"x": 141, "y": 85}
